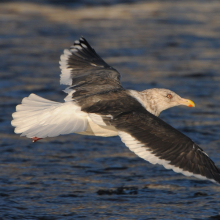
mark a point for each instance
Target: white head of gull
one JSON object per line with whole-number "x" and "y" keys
{"x": 157, "y": 100}
{"x": 97, "y": 104}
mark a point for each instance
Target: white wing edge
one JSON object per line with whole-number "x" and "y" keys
{"x": 139, "y": 149}
{"x": 65, "y": 76}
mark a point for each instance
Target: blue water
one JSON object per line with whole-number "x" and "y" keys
{"x": 81, "y": 177}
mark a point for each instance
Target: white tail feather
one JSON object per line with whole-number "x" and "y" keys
{"x": 39, "y": 117}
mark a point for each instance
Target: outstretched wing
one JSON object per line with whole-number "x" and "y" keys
{"x": 86, "y": 72}
{"x": 157, "y": 142}
{"x": 150, "y": 137}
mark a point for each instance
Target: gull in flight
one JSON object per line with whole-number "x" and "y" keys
{"x": 97, "y": 104}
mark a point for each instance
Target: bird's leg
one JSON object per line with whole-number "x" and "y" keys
{"x": 35, "y": 139}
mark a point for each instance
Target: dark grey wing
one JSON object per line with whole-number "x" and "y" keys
{"x": 149, "y": 137}
{"x": 86, "y": 72}
{"x": 157, "y": 142}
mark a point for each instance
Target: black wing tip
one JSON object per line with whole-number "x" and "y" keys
{"x": 82, "y": 42}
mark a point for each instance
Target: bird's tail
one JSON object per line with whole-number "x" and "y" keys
{"x": 39, "y": 117}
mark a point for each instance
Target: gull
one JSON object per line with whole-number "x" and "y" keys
{"x": 98, "y": 105}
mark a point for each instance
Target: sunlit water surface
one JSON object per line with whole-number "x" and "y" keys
{"x": 163, "y": 44}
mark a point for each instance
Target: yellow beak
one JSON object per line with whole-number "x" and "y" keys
{"x": 187, "y": 102}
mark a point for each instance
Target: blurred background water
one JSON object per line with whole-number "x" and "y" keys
{"x": 164, "y": 44}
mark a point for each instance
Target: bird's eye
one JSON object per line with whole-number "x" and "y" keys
{"x": 169, "y": 96}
